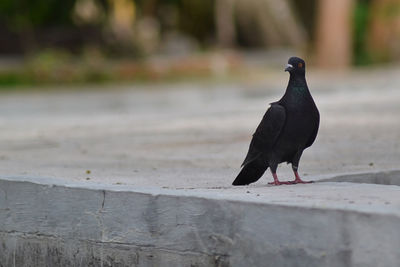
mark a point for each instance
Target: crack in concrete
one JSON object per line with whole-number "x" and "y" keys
{"x": 104, "y": 199}
{"x": 36, "y": 234}
{"x": 100, "y": 218}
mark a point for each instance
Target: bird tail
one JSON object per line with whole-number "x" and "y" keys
{"x": 250, "y": 173}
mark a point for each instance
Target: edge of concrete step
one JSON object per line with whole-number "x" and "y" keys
{"x": 49, "y": 222}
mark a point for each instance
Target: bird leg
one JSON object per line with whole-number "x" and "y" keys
{"x": 276, "y": 180}
{"x": 298, "y": 179}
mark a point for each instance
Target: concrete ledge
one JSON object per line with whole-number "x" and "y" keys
{"x": 391, "y": 177}
{"x": 39, "y": 250}
{"x": 324, "y": 224}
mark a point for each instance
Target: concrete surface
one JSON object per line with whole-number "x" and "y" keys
{"x": 50, "y": 223}
{"x": 182, "y": 136}
{"x": 142, "y": 177}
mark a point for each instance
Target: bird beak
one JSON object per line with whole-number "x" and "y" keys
{"x": 289, "y": 67}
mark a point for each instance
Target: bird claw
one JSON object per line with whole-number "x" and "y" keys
{"x": 299, "y": 181}
{"x": 280, "y": 183}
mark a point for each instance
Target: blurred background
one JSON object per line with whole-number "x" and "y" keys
{"x": 97, "y": 41}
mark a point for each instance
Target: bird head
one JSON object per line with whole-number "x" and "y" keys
{"x": 296, "y": 66}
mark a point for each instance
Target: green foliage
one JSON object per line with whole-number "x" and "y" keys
{"x": 59, "y": 67}
{"x": 361, "y": 19}
{"x": 20, "y": 14}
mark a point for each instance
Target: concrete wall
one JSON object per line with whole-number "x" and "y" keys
{"x": 65, "y": 225}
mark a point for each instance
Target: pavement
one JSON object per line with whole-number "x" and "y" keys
{"x": 193, "y": 135}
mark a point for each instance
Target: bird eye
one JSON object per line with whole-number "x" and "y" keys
{"x": 300, "y": 65}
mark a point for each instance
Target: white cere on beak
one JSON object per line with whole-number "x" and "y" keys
{"x": 289, "y": 66}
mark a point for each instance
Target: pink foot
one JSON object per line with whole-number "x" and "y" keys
{"x": 299, "y": 181}
{"x": 277, "y": 182}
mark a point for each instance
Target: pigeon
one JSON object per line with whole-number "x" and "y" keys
{"x": 289, "y": 126}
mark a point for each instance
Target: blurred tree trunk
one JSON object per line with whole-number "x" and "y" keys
{"x": 122, "y": 19}
{"x": 270, "y": 23}
{"x": 284, "y": 22}
{"x": 334, "y": 33}
{"x": 225, "y": 24}
{"x": 383, "y": 42}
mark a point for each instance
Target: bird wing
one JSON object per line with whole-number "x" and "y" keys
{"x": 266, "y": 133}
{"x": 314, "y": 133}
